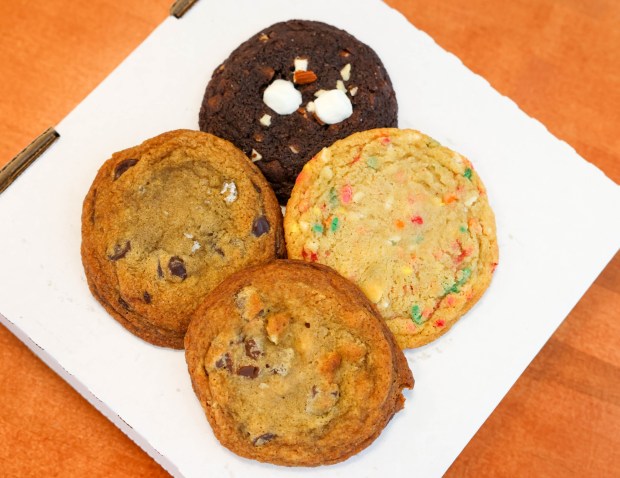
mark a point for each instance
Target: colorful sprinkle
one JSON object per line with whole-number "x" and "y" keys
{"x": 346, "y": 194}
{"x": 440, "y": 323}
{"x": 463, "y": 228}
{"x": 454, "y": 289}
{"x": 399, "y": 224}
{"x": 386, "y": 140}
{"x": 373, "y": 162}
{"x": 467, "y": 173}
{"x": 448, "y": 198}
{"x": 334, "y": 225}
{"x": 355, "y": 160}
{"x": 318, "y": 228}
{"x": 314, "y": 257}
{"x": 416, "y": 315}
{"x": 417, "y": 220}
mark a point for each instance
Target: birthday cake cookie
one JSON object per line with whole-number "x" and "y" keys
{"x": 403, "y": 217}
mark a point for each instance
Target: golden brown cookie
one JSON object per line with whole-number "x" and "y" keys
{"x": 293, "y": 365}
{"x": 403, "y": 217}
{"x": 166, "y": 221}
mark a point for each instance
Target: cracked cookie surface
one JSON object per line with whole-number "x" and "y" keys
{"x": 404, "y": 218}
{"x": 293, "y": 365}
{"x": 166, "y": 221}
{"x": 314, "y": 57}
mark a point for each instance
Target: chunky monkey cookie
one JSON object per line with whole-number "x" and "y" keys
{"x": 166, "y": 221}
{"x": 292, "y": 89}
{"x": 403, "y": 217}
{"x": 293, "y": 365}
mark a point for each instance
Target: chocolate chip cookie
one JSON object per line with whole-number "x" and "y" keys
{"x": 403, "y": 217}
{"x": 292, "y": 89}
{"x": 293, "y": 365}
{"x": 168, "y": 220}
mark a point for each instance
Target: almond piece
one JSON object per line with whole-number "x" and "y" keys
{"x": 301, "y": 77}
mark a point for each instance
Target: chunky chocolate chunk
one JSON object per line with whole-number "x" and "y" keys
{"x": 261, "y": 440}
{"x": 176, "y": 266}
{"x": 122, "y": 167}
{"x": 120, "y": 251}
{"x": 260, "y": 226}
{"x": 252, "y": 349}
{"x": 225, "y": 361}
{"x": 249, "y": 371}
{"x": 124, "y": 304}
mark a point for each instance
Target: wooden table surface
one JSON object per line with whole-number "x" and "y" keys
{"x": 558, "y": 59}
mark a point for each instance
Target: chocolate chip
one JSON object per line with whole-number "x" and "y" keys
{"x": 160, "y": 272}
{"x": 147, "y": 297}
{"x": 251, "y": 349}
{"x": 124, "y": 304}
{"x": 260, "y": 226}
{"x": 177, "y": 267}
{"x": 261, "y": 440}
{"x": 314, "y": 391}
{"x": 120, "y": 251}
{"x": 219, "y": 251}
{"x": 307, "y": 325}
{"x": 225, "y": 362}
{"x": 123, "y": 166}
{"x": 256, "y": 188}
{"x": 249, "y": 371}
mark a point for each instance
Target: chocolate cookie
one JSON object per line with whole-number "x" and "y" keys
{"x": 293, "y": 365}
{"x": 167, "y": 221}
{"x": 292, "y": 89}
{"x": 404, "y": 218}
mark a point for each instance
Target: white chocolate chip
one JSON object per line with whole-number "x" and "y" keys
{"x": 340, "y": 86}
{"x": 188, "y": 235}
{"x": 471, "y": 200}
{"x": 388, "y": 203}
{"x": 358, "y": 196}
{"x": 282, "y": 97}
{"x": 353, "y": 91}
{"x": 394, "y": 240}
{"x": 255, "y": 156}
{"x": 196, "y": 246}
{"x": 263, "y": 386}
{"x": 265, "y": 120}
{"x": 333, "y": 106}
{"x": 263, "y": 37}
{"x": 231, "y": 189}
{"x": 293, "y": 149}
{"x": 304, "y": 226}
{"x": 301, "y": 64}
{"x": 312, "y": 246}
{"x": 319, "y": 93}
{"x": 326, "y": 173}
{"x": 346, "y": 72}
{"x": 310, "y": 106}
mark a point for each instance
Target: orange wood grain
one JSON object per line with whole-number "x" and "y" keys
{"x": 558, "y": 59}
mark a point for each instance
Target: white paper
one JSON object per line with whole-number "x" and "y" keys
{"x": 553, "y": 213}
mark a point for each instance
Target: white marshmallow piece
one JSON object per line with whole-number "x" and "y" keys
{"x": 282, "y": 97}
{"x": 333, "y": 106}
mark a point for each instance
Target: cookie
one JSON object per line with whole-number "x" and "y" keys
{"x": 292, "y": 89}
{"x": 403, "y": 217}
{"x": 165, "y": 222}
{"x": 293, "y": 365}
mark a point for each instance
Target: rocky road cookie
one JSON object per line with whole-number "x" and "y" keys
{"x": 292, "y": 89}
{"x": 166, "y": 221}
{"x": 293, "y": 365}
{"x": 405, "y": 219}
